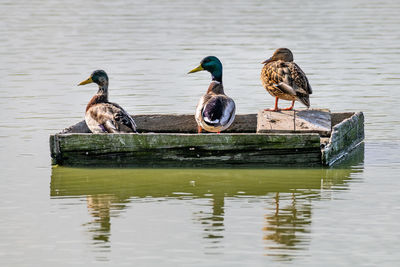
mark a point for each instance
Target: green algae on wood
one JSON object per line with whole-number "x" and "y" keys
{"x": 345, "y": 136}
{"x": 209, "y": 149}
{"x": 170, "y": 142}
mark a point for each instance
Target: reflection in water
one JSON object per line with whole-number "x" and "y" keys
{"x": 213, "y": 222}
{"x": 287, "y": 224}
{"x": 287, "y": 194}
{"x": 99, "y": 207}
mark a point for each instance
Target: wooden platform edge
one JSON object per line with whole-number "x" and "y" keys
{"x": 345, "y": 136}
{"x": 295, "y": 121}
{"x": 55, "y": 152}
{"x": 77, "y": 141}
{"x": 210, "y": 149}
{"x": 185, "y": 123}
{"x": 175, "y": 123}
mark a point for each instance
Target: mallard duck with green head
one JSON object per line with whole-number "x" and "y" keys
{"x": 284, "y": 79}
{"x": 103, "y": 116}
{"x": 215, "y": 111}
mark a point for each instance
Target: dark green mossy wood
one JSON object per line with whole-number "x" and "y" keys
{"x": 345, "y": 136}
{"x": 185, "y": 149}
{"x": 75, "y": 146}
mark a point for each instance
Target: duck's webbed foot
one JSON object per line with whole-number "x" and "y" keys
{"x": 276, "y": 106}
{"x": 291, "y": 107}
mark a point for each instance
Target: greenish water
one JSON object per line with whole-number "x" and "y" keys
{"x": 347, "y": 215}
{"x": 175, "y": 213}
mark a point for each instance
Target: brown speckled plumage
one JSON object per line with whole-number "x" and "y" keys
{"x": 284, "y": 79}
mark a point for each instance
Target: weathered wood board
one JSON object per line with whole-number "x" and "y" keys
{"x": 345, "y": 136}
{"x": 167, "y": 140}
{"x": 295, "y": 121}
{"x": 184, "y": 123}
{"x": 186, "y": 149}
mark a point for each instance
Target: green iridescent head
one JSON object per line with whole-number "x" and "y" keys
{"x": 212, "y": 65}
{"x": 98, "y": 76}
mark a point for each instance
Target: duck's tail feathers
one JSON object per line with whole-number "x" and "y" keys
{"x": 305, "y": 101}
{"x": 300, "y": 93}
{"x": 212, "y": 123}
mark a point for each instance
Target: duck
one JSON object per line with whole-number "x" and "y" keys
{"x": 103, "y": 116}
{"x": 215, "y": 111}
{"x": 284, "y": 79}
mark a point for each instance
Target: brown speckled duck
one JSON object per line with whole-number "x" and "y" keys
{"x": 284, "y": 79}
{"x": 103, "y": 116}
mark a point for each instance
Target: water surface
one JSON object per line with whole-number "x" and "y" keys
{"x": 175, "y": 213}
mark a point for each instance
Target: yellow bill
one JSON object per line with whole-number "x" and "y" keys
{"x": 89, "y": 80}
{"x": 199, "y": 68}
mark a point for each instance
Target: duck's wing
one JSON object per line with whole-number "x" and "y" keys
{"x": 299, "y": 78}
{"x": 288, "y": 78}
{"x": 229, "y": 110}
{"x": 123, "y": 118}
{"x": 275, "y": 72}
{"x": 299, "y": 83}
{"x": 218, "y": 110}
{"x": 111, "y": 118}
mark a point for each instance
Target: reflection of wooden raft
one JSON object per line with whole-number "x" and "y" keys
{"x": 301, "y": 137}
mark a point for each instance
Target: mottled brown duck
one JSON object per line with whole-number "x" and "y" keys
{"x": 103, "y": 116}
{"x": 215, "y": 111}
{"x": 284, "y": 79}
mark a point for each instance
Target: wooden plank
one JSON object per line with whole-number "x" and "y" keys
{"x": 104, "y": 143}
{"x": 193, "y": 149}
{"x": 229, "y": 148}
{"x": 345, "y": 137}
{"x": 295, "y": 121}
{"x": 245, "y": 123}
{"x": 185, "y": 123}
{"x": 199, "y": 158}
{"x": 54, "y": 149}
{"x": 79, "y": 127}
{"x": 163, "y": 123}
{"x": 338, "y": 117}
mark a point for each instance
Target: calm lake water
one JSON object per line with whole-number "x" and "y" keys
{"x": 347, "y": 215}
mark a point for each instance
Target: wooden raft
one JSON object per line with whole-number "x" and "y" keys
{"x": 316, "y": 137}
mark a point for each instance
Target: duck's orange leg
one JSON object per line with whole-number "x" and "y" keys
{"x": 276, "y": 106}
{"x": 289, "y": 108}
{"x": 199, "y": 129}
